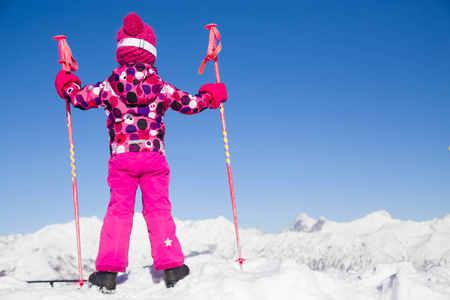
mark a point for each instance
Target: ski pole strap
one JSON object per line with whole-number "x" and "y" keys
{"x": 65, "y": 54}
{"x": 212, "y": 50}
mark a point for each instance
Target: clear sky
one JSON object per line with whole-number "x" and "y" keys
{"x": 336, "y": 109}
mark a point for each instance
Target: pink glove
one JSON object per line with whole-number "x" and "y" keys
{"x": 63, "y": 78}
{"x": 218, "y": 92}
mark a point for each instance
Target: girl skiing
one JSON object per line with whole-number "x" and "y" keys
{"x": 135, "y": 99}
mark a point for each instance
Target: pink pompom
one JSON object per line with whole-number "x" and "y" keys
{"x": 132, "y": 24}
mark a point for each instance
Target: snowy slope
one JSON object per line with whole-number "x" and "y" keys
{"x": 262, "y": 279}
{"x": 376, "y": 257}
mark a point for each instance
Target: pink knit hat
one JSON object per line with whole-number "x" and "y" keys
{"x": 136, "y": 42}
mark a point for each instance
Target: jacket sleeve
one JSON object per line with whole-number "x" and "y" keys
{"x": 87, "y": 97}
{"x": 183, "y": 102}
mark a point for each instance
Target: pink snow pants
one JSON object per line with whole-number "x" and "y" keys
{"x": 127, "y": 171}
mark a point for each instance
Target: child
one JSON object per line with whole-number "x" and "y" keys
{"x": 135, "y": 99}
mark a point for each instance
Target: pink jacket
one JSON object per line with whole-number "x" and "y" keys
{"x": 135, "y": 99}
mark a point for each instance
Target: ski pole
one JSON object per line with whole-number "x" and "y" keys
{"x": 69, "y": 64}
{"x": 213, "y": 50}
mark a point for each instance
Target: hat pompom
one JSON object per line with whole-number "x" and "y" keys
{"x": 132, "y": 24}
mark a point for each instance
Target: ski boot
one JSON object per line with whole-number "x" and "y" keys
{"x": 172, "y": 276}
{"x": 105, "y": 282}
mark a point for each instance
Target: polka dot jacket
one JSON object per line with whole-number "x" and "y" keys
{"x": 135, "y": 99}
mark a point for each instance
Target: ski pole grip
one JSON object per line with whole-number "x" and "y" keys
{"x": 65, "y": 54}
{"x": 62, "y": 60}
{"x": 213, "y": 48}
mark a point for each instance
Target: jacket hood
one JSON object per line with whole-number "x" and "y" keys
{"x": 136, "y": 84}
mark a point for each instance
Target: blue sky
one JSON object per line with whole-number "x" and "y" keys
{"x": 336, "y": 109}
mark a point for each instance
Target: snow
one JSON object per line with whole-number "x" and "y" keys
{"x": 375, "y": 257}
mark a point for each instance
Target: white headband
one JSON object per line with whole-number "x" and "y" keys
{"x": 140, "y": 43}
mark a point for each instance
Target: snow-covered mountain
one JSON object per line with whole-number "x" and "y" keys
{"x": 378, "y": 238}
{"x": 363, "y": 243}
{"x": 373, "y": 258}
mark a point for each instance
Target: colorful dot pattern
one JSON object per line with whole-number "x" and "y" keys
{"x": 136, "y": 99}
